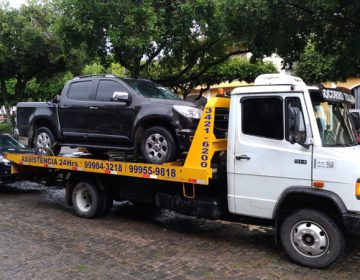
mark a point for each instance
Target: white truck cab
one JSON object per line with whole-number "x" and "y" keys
{"x": 296, "y": 145}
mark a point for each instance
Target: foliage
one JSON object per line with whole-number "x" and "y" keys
{"x": 29, "y": 48}
{"x": 33, "y": 55}
{"x": 94, "y": 68}
{"x": 97, "y": 68}
{"x": 5, "y": 127}
{"x": 334, "y": 31}
{"x": 315, "y": 68}
{"x": 43, "y": 90}
{"x": 116, "y": 69}
{"x": 179, "y": 43}
{"x": 172, "y": 42}
{"x": 266, "y": 27}
{"x": 238, "y": 68}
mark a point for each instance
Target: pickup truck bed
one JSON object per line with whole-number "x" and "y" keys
{"x": 27, "y": 112}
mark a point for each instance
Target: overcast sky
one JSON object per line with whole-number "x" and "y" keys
{"x": 16, "y": 3}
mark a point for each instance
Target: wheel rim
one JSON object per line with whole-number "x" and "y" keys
{"x": 43, "y": 143}
{"x": 309, "y": 239}
{"x": 156, "y": 146}
{"x": 83, "y": 200}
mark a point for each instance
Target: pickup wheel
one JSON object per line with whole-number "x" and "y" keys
{"x": 88, "y": 200}
{"x": 45, "y": 143}
{"x": 311, "y": 238}
{"x": 158, "y": 145}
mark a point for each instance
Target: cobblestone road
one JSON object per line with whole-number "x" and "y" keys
{"x": 40, "y": 238}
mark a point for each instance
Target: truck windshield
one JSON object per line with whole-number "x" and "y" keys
{"x": 150, "y": 89}
{"x": 334, "y": 124}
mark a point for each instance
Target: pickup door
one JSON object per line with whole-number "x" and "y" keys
{"x": 109, "y": 120}
{"x": 73, "y": 109}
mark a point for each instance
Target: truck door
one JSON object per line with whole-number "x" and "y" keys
{"x": 266, "y": 162}
{"x": 110, "y": 120}
{"x": 74, "y": 108}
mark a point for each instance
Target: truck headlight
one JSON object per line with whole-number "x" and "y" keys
{"x": 187, "y": 111}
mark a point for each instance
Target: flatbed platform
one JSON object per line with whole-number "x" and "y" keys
{"x": 196, "y": 168}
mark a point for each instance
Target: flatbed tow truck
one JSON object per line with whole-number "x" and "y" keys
{"x": 278, "y": 153}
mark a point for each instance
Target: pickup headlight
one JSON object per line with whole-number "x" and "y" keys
{"x": 187, "y": 111}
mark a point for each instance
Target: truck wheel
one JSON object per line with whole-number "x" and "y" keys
{"x": 44, "y": 142}
{"x": 158, "y": 145}
{"x": 87, "y": 200}
{"x": 312, "y": 239}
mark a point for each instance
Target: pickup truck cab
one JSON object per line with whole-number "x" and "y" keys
{"x": 105, "y": 112}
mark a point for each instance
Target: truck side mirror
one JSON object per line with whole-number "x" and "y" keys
{"x": 296, "y": 126}
{"x": 120, "y": 96}
{"x": 355, "y": 116}
{"x": 56, "y": 99}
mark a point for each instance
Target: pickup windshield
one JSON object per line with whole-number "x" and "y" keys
{"x": 150, "y": 89}
{"x": 334, "y": 124}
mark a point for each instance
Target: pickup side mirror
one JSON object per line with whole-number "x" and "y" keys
{"x": 355, "y": 116}
{"x": 120, "y": 96}
{"x": 296, "y": 126}
{"x": 56, "y": 99}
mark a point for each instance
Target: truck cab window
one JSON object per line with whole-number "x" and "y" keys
{"x": 263, "y": 117}
{"x": 80, "y": 90}
{"x": 295, "y": 130}
{"x": 107, "y": 88}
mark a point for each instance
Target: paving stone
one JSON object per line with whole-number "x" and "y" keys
{"x": 41, "y": 238}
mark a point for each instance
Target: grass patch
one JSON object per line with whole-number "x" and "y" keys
{"x": 82, "y": 267}
{"x": 5, "y": 127}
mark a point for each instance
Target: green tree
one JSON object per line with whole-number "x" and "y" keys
{"x": 28, "y": 48}
{"x": 47, "y": 89}
{"x": 238, "y": 68}
{"x": 315, "y": 68}
{"x": 94, "y": 68}
{"x": 334, "y": 28}
{"x": 286, "y": 26}
{"x": 168, "y": 41}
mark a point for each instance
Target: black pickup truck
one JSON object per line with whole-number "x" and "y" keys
{"x": 104, "y": 112}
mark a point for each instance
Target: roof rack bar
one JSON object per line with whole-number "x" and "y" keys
{"x": 95, "y": 75}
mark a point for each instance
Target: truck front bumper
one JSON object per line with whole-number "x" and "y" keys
{"x": 351, "y": 222}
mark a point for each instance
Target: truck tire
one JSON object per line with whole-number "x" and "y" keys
{"x": 158, "y": 145}
{"x": 45, "y": 143}
{"x": 311, "y": 238}
{"x": 87, "y": 200}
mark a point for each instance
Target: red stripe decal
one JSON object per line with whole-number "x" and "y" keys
{"x": 107, "y": 171}
{"x": 46, "y": 165}
{"x": 146, "y": 175}
{"x": 74, "y": 168}
{"x": 192, "y": 180}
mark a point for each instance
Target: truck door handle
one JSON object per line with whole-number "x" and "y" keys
{"x": 242, "y": 157}
{"x": 93, "y": 107}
